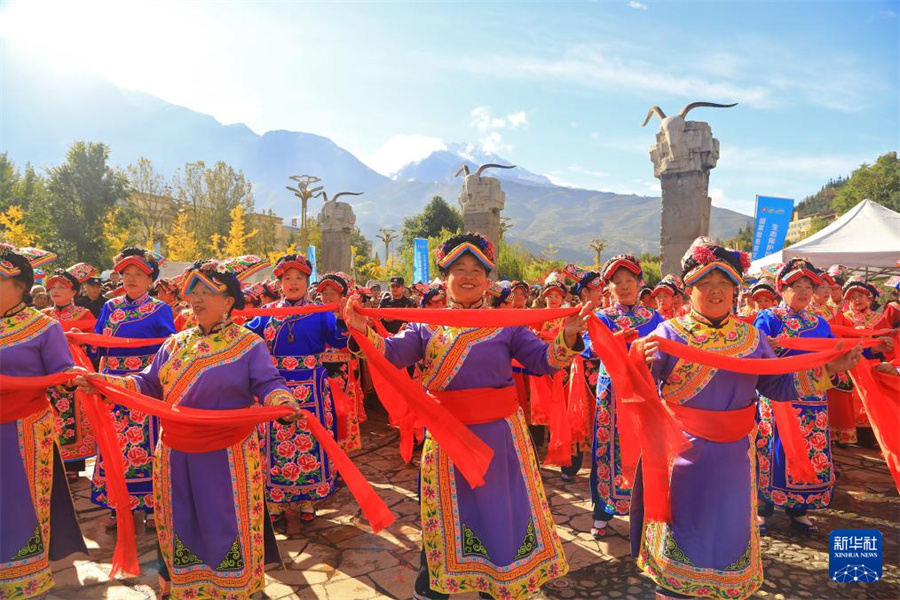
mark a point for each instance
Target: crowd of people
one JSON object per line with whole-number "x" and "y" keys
{"x": 526, "y": 370}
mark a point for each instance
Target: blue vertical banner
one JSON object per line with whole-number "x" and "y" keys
{"x": 311, "y": 255}
{"x": 773, "y": 215}
{"x": 421, "y": 264}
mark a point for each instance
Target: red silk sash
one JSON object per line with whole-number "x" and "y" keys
{"x": 286, "y": 311}
{"x": 577, "y": 401}
{"x": 500, "y": 317}
{"x": 721, "y": 426}
{"x": 85, "y": 323}
{"x": 647, "y": 431}
{"x": 23, "y": 396}
{"x": 379, "y": 328}
{"x": 407, "y": 402}
{"x": 880, "y": 395}
{"x": 479, "y": 405}
{"x": 848, "y": 331}
{"x": 750, "y": 366}
{"x": 559, "y": 449}
{"x": 108, "y": 341}
{"x": 192, "y": 430}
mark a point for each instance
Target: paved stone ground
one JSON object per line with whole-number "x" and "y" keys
{"x": 338, "y": 558}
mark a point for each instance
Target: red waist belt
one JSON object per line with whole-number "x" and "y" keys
{"x": 715, "y": 425}
{"x": 18, "y": 405}
{"x": 480, "y": 405}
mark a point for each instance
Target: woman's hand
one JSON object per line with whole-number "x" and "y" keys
{"x": 294, "y": 416}
{"x": 576, "y": 324}
{"x": 886, "y": 346}
{"x": 352, "y": 318}
{"x": 650, "y": 346}
{"x": 845, "y": 362}
{"x": 887, "y": 369}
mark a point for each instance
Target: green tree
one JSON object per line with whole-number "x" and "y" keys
{"x": 652, "y": 267}
{"x": 150, "y": 197}
{"x": 210, "y": 194}
{"x": 743, "y": 240}
{"x": 879, "y": 182}
{"x": 437, "y": 216}
{"x": 27, "y": 190}
{"x": 83, "y": 191}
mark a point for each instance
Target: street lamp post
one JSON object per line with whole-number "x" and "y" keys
{"x": 304, "y": 191}
{"x": 598, "y": 244}
{"x": 387, "y": 236}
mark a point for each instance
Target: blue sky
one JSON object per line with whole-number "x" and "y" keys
{"x": 559, "y": 88}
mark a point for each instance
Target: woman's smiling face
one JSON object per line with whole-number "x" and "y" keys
{"x": 467, "y": 280}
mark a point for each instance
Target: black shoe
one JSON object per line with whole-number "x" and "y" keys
{"x": 810, "y": 529}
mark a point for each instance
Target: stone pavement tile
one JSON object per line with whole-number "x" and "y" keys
{"x": 313, "y": 557}
{"x": 297, "y": 578}
{"x": 360, "y": 588}
{"x": 397, "y": 582}
{"x": 362, "y": 562}
{"x": 275, "y": 590}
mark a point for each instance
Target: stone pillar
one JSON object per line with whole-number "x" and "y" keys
{"x": 684, "y": 153}
{"x": 481, "y": 200}
{"x": 336, "y": 222}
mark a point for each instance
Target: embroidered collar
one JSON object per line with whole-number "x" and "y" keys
{"x": 453, "y": 304}
{"x": 14, "y": 310}
{"x": 624, "y": 308}
{"x": 217, "y": 328}
{"x": 300, "y": 302}
{"x": 129, "y": 303}
{"x": 710, "y": 323}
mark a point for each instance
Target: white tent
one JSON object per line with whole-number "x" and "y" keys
{"x": 865, "y": 237}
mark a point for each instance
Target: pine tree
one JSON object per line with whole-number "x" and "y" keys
{"x": 181, "y": 241}
{"x": 236, "y": 245}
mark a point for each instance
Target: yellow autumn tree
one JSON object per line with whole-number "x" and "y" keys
{"x": 181, "y": 241}
{"x": 15, "y": 232}
{"x": 116, "y": 236}
{"x": 236, "y": 244}
{"x": 273, "y": 257}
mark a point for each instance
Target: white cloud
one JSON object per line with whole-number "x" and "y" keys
{"x": 637, "y": 5}
{"x": 488, "y": 126}
{"x": 776, "y": 74}
{"x": 400, "y": 150}
{"x": 594, "y": 66}
{"x": 517, "y": 119}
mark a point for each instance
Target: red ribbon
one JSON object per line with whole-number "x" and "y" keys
{"x": 406, "y": 401}
{"x": 847, "y": 331}
{"x": 577, "y": 401}
{"x": 108, "y": 341}
{"x": 880, "y": 395}
{"x": 500, "y": 317}
{"x": 647, "y": 431}
{"x": 559, "y": 449}
{"x": 750, "y": 366}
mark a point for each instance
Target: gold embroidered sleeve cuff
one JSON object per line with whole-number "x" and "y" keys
{"x": 559, "y": 354}
{"x": 812, "y": 382}
{"x": 277, "y": 398}
{"x": 123, "y": 381}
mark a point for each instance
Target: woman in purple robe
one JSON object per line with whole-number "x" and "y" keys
{"x": 498, "y": 539}
{"x": 34, "y": 497}
{"x": 710, "y": 548}
{"x": 211, "y": 505}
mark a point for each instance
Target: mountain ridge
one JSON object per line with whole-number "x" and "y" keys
{"x": 43, "y": 115}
